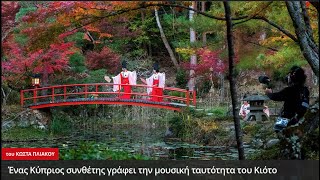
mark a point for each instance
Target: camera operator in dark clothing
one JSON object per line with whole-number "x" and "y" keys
{"x": 295, "y": 96}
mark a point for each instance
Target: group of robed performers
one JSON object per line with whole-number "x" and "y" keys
{"x": 125, "y": 79}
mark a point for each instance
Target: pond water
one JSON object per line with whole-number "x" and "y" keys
{"x": 149, "y": 142}
{"x": 138, "y": 130}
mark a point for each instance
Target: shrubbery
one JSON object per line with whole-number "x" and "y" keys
{"x": 94, "y": 151}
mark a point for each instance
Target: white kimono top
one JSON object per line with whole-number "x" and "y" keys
{"x": 160, "y": 76}
{"x": 132, "y": 75}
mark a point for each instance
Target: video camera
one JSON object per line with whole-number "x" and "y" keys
{"x": 265, "y": 80}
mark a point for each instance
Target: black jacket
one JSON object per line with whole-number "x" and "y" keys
{"x": 292, "y": 97}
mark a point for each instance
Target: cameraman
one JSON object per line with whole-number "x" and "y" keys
{"x": 295, "y": 96}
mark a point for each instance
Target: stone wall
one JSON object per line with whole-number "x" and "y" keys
{"x": 28, "y": 118}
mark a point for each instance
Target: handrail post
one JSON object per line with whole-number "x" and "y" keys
{"x": 21, "y": 98}
{"x": 85, "y": 91}
{"x": 34, "y": 95}
{"x": 52, "y": 95}
{"x": 119, "y": 90}
{"x": 65, "y": 92}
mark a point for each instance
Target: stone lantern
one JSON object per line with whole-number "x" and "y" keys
{"x": 256, "y": 108}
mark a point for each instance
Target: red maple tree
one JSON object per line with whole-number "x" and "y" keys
{"x": 208, "y": 63}
{"x": 104, "y": 59}
{"x": 9, "y": 10}
{"x": 19, "y": 65}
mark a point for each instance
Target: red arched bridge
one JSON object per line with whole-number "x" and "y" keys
{"x": 101, "y": 93}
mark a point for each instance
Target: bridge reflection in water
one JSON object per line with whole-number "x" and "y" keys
{"x": 101, "y": 93}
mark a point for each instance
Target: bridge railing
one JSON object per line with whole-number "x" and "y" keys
{"x": 52, "y": 94}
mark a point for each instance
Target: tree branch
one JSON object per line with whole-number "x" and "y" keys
{"x": 165, "y": 41}
{"x": 284, "y": 31}
{"x": 273, "y": 49}
{"x": 312, "y": 56}
{"x": 254, "y": 15}
{"x": 17, "y": 115}
{"x": 306, "y": 19}
{"x": 199, "y": 12}
{"x": 97, "y": 18}
{"x": 232, "y": 83}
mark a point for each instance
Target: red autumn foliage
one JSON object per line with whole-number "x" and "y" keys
{"x": 105, "y": 59}
{"x": 307, "y": 4}
{"x": 207, "y": 61}
{"x": 118, "y": 28}
{"x": 20, "y": 66}
{"x": 8, "y": 13}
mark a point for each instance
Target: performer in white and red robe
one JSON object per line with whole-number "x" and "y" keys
{"x": 126, "y": 79}
{"x": 157, "y": 81}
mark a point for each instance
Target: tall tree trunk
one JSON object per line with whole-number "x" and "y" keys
{"x": 221, "y": 87}
{"x": 4, "y": 96}
{"x": 193, "y": 59}
{"x": 303, "y": 32}
{"x": 165, "y": 41}
{"x": 232, "y": 75}
{"x": 204, "y": 34}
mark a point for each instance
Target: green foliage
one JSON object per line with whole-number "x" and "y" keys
{"x": 177, "y": 24}
{"x": 284, "y": 59}
{"x": 176, "y": 29}
{"x": 137, "y": 53}
{"x": 23, "y": 11}
{"x": 14, "y": 95}
{"x": 95, "y": 76}
{"x": 204, "y": 24}
{"x": 20, "y": 134}
{"x": 43, "y": 40}
{"x": 252, "y": 26}
{"x": 77, "y": 38}
{"x": 204, "y": 87}
{"x": 21, "y": 39}
{"x": 77, "y": 62}
{"x": 94, "y": 151}
{"x": 135, "y": 45}
{"x": 51, "y": 19}
{"x": 310, "y": 146}
{"x": 177, "y": 94}
{"x": 181, "y": 78}
{"x": 279, "y": 15}
{"x": 252, "y": 60}
{"x": 60, "y": 125}
{"x": 183, "y": 125}
{"x": 251, "y": 128}
{"x": 248, "y": 9}
{"x": 179, "y": 29}
{"x": 196, "y": 114}
{"x": 218, "y": 112}
{"x": 146, "y": 28}
{"x": 118, "y": 45}
{"x": 277, "y": 75}
{"x": 181, "y": 43}
{"x": 267, "y": 154}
